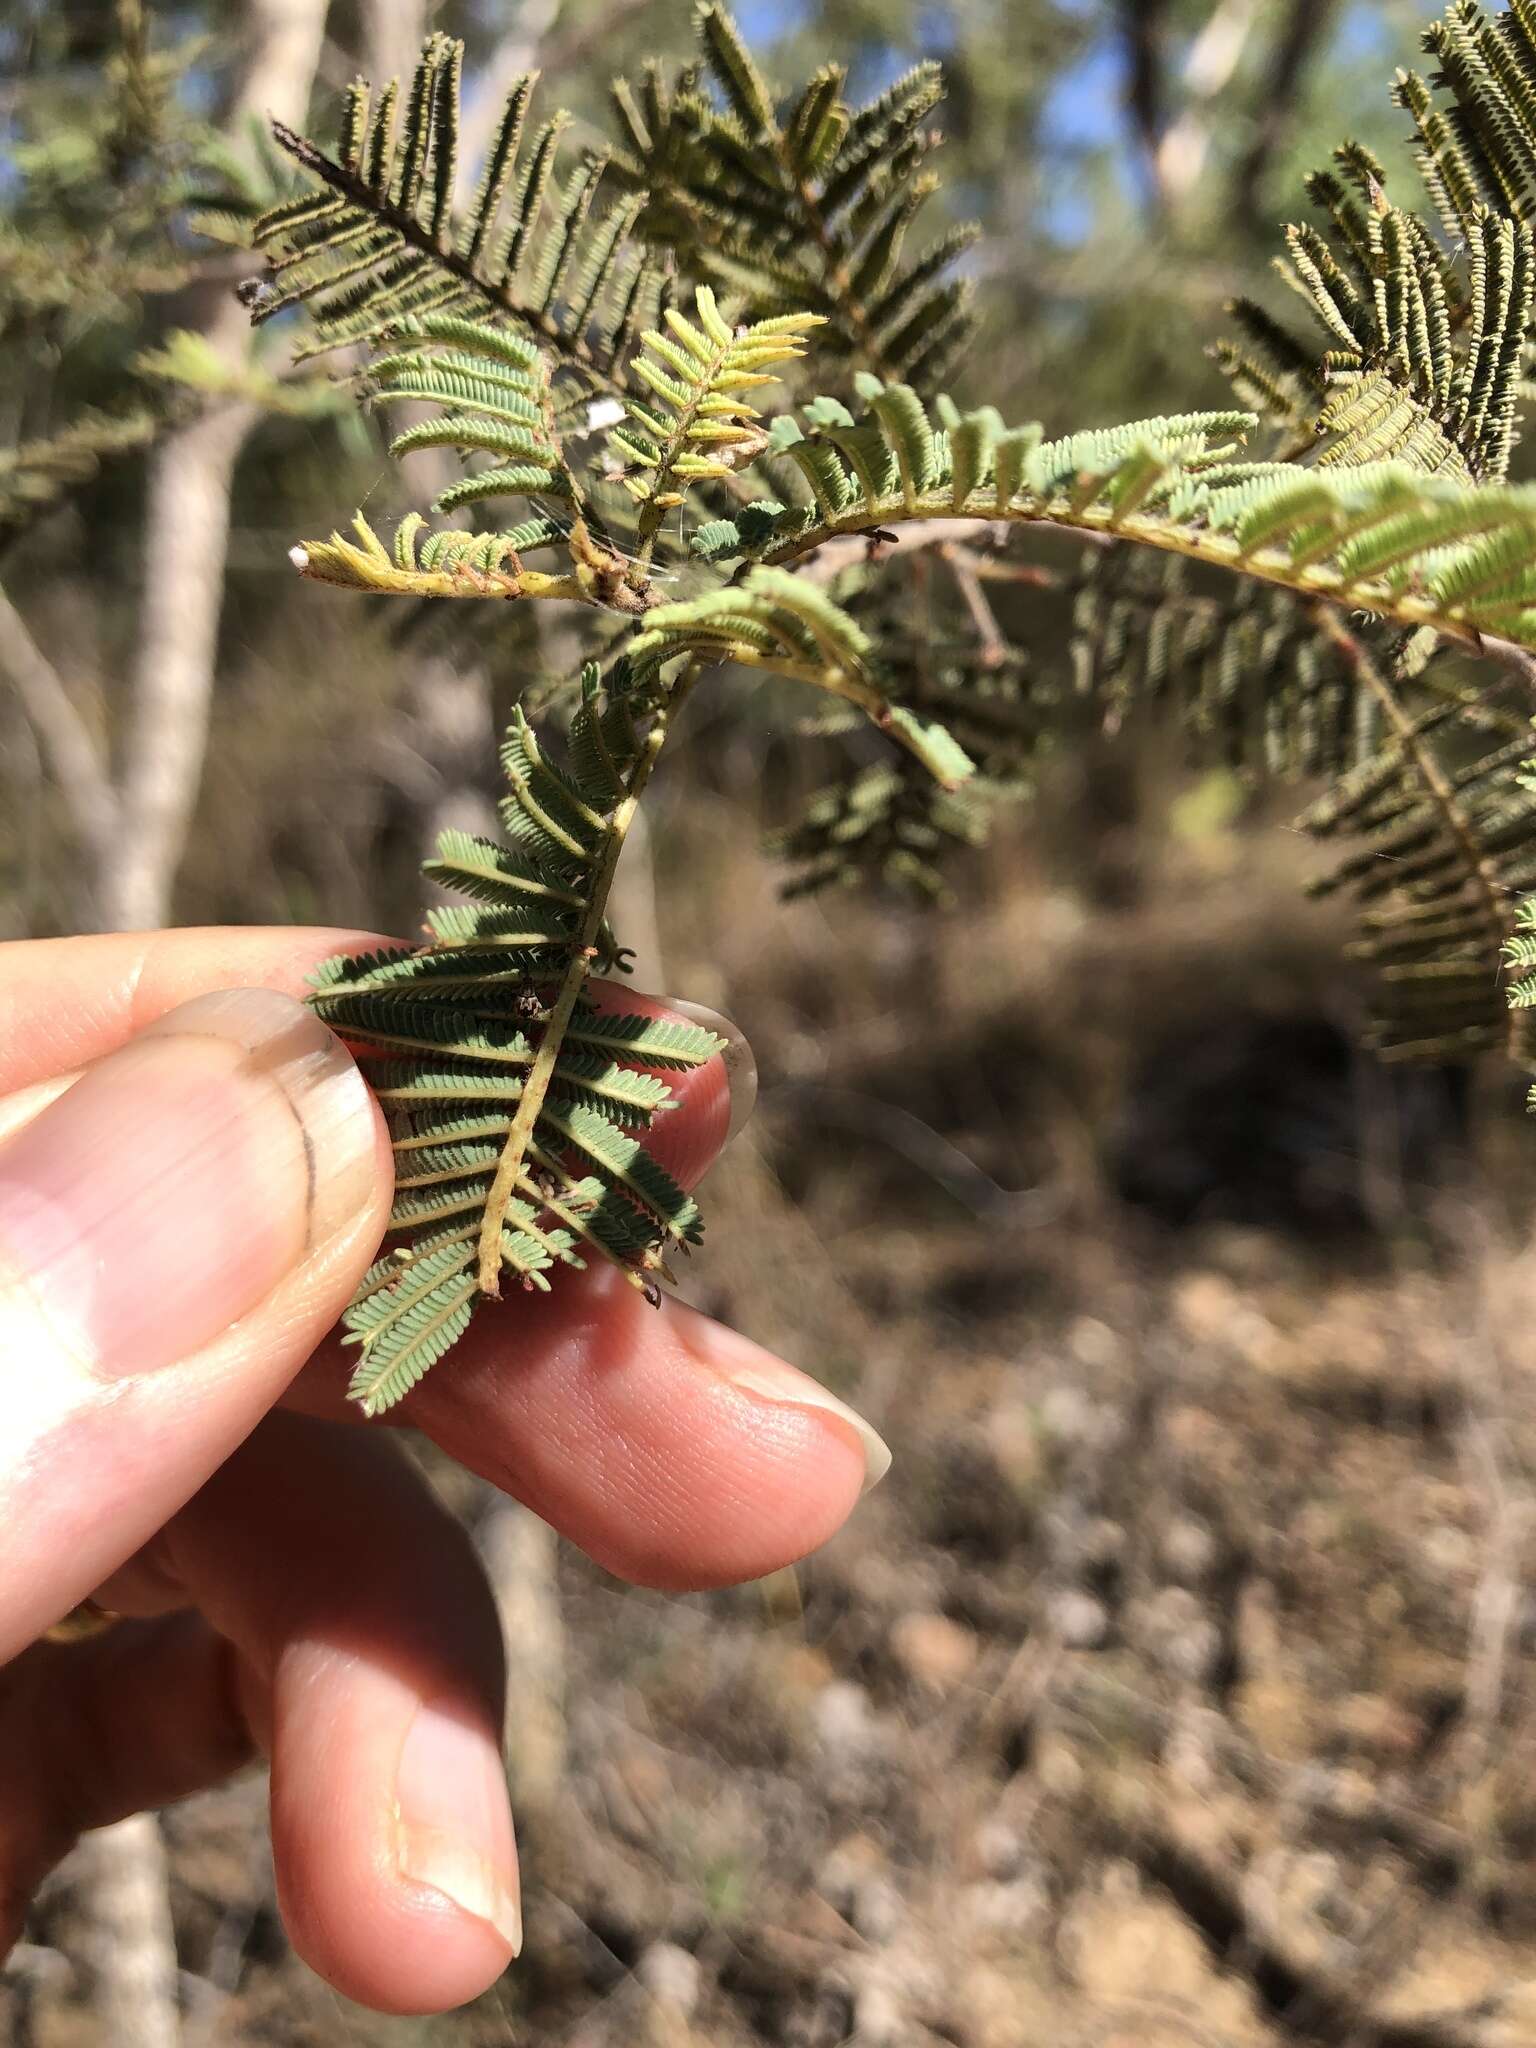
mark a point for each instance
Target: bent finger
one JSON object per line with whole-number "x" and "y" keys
{"x": 371, "y": 1668}
{"x": 674, "y": 1452}
{"x": 176, "y": 1234}
{"x": 90, "y": 1732}
{"x": 353, "y": 1629}
{"x": 66, "y": 1002}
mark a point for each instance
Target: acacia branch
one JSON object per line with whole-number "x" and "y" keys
{"x": 1521, "y": 661}
{"x": 400, "y": 221}
{"x": 393, "y": 32}
{"x": 514, "y": 1154}
{"x": 846, "y": 551}
{"x": 993, "y": 650}
{"x": 1103, "y": 526}
{"x": 1479, "y": 867}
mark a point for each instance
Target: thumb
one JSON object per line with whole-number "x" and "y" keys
{"x": 177, "y": 1232}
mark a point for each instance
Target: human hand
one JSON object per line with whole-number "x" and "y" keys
{"x": 191, "y": 1183}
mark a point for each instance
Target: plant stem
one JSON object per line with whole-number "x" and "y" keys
{"x": 652, "y": 513}
{"x": 404, "y": 223}
{"x": 514, "y": 1153}
{"x": 1103, "y": 526}
{"x": 993, "y": 648}
{"x": 1481, "y": 870}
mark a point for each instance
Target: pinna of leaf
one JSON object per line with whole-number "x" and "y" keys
{"x": 1373, "y": 545}
{"x": 517, "y": 1106}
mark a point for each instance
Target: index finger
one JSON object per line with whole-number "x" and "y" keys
{"x": 66, "y": 1002}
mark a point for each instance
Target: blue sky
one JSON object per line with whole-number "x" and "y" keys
{"x": 1086, "y": 113}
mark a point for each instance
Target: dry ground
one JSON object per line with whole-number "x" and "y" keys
{"x": 1179, "y": 1685}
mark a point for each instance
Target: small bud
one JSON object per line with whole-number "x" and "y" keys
{"x": 299, "y": 556}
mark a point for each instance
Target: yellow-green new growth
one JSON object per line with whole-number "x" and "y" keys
{"x": 702, "y": 425}
{"x": 449, "y": 564}
{"x": 1306, "y": 604}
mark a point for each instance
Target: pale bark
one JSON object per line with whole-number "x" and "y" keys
{"x": 538, "y": 42}
{"x": 392, "y": 36}
{"x": 1213, "y": 58}
{"x": 519, "y": 1552}
{"x": 520, "y": 50}
{"x": 187, "y": 519}
{"x": 121, "y": 1871}
{"x": 284, "y": 44}
{"x": 186, "y": 541}
{"x": 130, "y": 1949}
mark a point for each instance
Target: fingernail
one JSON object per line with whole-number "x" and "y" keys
{"x": 453, "y": 1821}
{"x": 740, "y": 1064}
{"x": 756, "y": 1371}
{"x": 182, "y": 1178}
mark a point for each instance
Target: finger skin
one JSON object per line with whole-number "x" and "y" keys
{"x": 90, "y": 1732}
{"x": 344, "y": 1598}
{"x": 353, "y": 1598}
{"x": 643, "y": 1455}
{"x": 350, "y": 1598}
{"x": 607, "y": 1417}
{"x": 152, "y": 1441}
{"x": 624, "y": 1426}
{"x": 66, "y": 1002}
{"x": 612, "y": 1421}
{"x": 96, "y": 1453}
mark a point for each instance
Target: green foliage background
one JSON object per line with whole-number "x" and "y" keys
{"x": 1094, "y": 306}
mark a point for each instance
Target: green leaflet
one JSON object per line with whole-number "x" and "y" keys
{"x": 1436, "y": 850}
{"x": 36, "y": 474}
{"x": 808, "y": 211}
{"x": 1413, "y": 548}
{"x": 407, "y": 1315}
{"x": 889, "y": 822}
{"x": 1416, "y": 343}
{"x": 456, "y": 1034}
{"x": 552, "y": 255}
{"x": 446, "y": 563}
{"x": 697, "y": 424}
{"x": 778, "y": 621}
{"x": 802, "y": 202}
{"x": 594, "y": 336}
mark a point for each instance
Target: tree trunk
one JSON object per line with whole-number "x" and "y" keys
{"x": 130, "y": 1949}
{"x": 121, "y": 1871}
{"x": 1213, "y": 57}
{"x": 519, "y": 1553}
{"x": 187, "y": 533}
{"x": 186, "y": 541}
{"x": 392, "y": 38}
